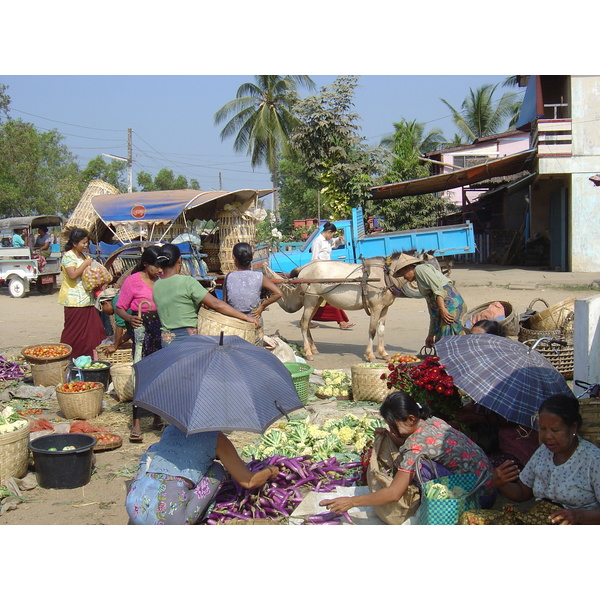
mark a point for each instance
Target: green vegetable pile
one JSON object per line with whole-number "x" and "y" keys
{"x": 343, "y": 438}
{"x": 10, "y": 420}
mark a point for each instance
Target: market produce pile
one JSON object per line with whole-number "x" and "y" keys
{"x": 343, "y": 439}
{"x": 277, "y": 499}
{"x": 335, "y": 383}
{"x": 9, "y": 370}
{"x": 47, "y": 351}
{"x": 10, "y": 420}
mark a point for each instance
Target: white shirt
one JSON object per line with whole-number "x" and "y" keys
{"x": 321, "y": 248}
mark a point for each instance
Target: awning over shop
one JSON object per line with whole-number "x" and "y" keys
{"x": 508, "y": 165}
{"x": 165, "y": 206}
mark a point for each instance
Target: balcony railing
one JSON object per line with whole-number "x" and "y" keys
{"x": 552, "y": 137}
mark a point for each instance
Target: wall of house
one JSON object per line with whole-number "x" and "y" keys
{"x": 585, "y": 162}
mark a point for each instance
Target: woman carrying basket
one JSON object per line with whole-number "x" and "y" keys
{"x": 136, "y": 292}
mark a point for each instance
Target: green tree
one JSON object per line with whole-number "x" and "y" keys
{"x": 113, "y": 172}
{"x": 414, "y": 211}
{"x": 298, "y": 194}
{"x": 481, "y": 114}
{"x": 38, "y": 174}
{"x": 262, "y": 119}
{"x": 4, "y": 101}
{"x": 328, "y": 144}
{"x": 422, "y": 143}
{"x": 165, "y": 179}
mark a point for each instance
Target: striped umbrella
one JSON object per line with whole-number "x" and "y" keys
{"x": 504, "y": 375}
{"x": 215, "y": 383}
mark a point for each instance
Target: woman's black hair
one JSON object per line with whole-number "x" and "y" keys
{"x": 149, "y": 257}
{"x": 563, "y": 406}
{"x": 329, "y": 227}
{"x": 75, "y": 236}
{"x": 168, "y": 255}
{"x": 43, "y": 228}
{"x": 489, "y": 326}
{"x": 398, "y": 406}
{"x": 243, "y": 253}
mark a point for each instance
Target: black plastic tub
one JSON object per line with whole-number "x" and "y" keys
{"x": 100, "y": 375}
{"x": 63, "y": 469}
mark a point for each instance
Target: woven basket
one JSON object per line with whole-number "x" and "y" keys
{"x": 84, "y": 215}
{"x": 510, "y": 324}
{"x": 122, "y": 355}
{"x": 32, "y": 360}
{"x": 212, "y": 256}
{"x": 300, "y": 373}
{"x": 210, "y": 322}
{"x": 526, "y": 334}
{"x": 562, "y": 358}
{"x": 589, "y": 409}
{"x": 81, "y": 405}
{"x": 122, "y": 379}
{"x": 553, "y": 317}
{"x": 234, "y": 227}
{"x": 14, "y": 453}
{"x": 367, "y": 385}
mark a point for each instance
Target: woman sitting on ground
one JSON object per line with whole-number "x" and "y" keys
{"x": 564, "y": 470}
{"x": 178, "y": 477}
{"x": 416, "y": 432}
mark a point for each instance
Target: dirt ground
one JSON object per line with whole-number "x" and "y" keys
{"x": 39, "y": 319}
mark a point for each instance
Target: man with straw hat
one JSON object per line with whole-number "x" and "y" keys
{"x": 446, "y": 306}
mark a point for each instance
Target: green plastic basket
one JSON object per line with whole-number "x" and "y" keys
{"x": 300, "y": 373}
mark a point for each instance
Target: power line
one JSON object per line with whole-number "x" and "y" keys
{"x": 62, "y": 122}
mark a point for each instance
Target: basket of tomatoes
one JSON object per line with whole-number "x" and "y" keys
{"x": 80, "y": 399}
{"x": 48, "y": 363}
{"x": 45, "y": 353}
{"x": 106, "y": 441}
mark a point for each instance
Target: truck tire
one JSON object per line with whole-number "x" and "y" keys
{"x": 16, "y": 287}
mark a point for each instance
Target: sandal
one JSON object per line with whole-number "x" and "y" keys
{"x": 135, "y": 437}
{"x": 313, "y": 326}
{"x": 348, "y": 326}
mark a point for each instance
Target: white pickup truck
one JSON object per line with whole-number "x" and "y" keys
{"x": 18, "y": 269}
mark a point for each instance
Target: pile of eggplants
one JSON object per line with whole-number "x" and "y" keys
{"x": 277, "y": 499}
{"x": 9, "y": 370}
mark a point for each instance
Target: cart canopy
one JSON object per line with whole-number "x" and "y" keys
{"x": 31, "y": 222}
{"x": 165, "y": 207}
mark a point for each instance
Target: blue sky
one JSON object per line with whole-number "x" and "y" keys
{"x": 172, "y": 122}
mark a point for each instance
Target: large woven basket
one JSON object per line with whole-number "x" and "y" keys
{"x": 84, "y": 215}
{"x": 210, "y": 322}
{"x": 553, "y": 317}
{"x": 510, "y": 324}
{"x": 124, "y": 354}
{"x": 590, "y": 415}
{"x": 234, "y": 227}
{"x": 211, "y": 249}
{"x": 562, "y": 358}
{"x": 367, "y": 385}
{"x": 14, "y": 453}
{"x": 81, "y": 405}
{"x": 123, "y": 382}
{"x": 48, "y": 371}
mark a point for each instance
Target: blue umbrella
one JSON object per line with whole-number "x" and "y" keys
{"x": 212, "y": 383}
{"x": 504, "y": 375}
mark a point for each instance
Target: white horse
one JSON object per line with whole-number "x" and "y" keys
{"x": 375, "y": 297}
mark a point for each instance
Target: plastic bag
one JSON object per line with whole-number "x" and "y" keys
{"x": 95, "y": 276}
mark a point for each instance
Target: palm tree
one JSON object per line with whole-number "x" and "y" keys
{"x": 480, "y": 114}
{"x": 422, "y": 144}
{"x": 261, "y": 118}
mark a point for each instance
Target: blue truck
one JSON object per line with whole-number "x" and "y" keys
{"x": 443, "y": 241}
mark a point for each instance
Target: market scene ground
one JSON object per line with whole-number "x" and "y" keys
{"x": 38, "y": 319}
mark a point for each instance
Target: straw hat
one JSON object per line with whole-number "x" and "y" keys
{"x": 405, "y": 260}
{"x": 107, "y": 294}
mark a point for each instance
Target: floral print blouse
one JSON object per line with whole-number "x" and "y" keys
{"x": 445, "y": 445}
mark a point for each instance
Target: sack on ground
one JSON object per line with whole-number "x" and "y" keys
{"x": 380, "y": 473}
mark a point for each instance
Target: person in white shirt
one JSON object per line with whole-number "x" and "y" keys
{"x": 321, "y": 249}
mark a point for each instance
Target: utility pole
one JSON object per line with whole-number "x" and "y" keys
{"x": 220, "y": 181}
{"x": 129, "y": 161}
